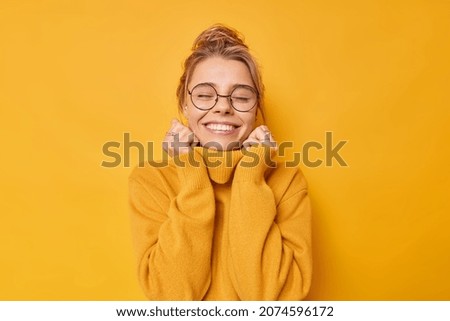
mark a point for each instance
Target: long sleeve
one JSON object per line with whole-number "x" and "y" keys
{"x": 269, "y": 241}
{"x": 173, "y": 235}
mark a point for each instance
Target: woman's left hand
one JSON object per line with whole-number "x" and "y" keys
{"x": 261, "y": 135}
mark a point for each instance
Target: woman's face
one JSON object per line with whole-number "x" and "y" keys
{"x": 221, "y": 127}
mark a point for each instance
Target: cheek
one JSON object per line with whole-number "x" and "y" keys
{"x": 193, "y": 116}
{"x": 249, "y": 121}
{"x": 194, "y": 124}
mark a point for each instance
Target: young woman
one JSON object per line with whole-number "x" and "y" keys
{"x": 220, "y": 222}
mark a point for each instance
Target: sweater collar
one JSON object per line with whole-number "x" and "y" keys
{"x": 220, "y": 164}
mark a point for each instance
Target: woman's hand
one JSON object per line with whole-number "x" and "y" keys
{"x": 260, "y": 135}
{"x": 179, "y": 139}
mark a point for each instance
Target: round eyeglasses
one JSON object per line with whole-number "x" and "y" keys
{"x": 242, "y": 98}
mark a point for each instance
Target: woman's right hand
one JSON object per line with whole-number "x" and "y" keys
{"x": 179, "y": 139}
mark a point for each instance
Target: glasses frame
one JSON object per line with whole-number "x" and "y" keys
{"x": 230, "y": 100}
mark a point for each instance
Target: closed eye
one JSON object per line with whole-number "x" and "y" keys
{"x": 241, "y": 99}
{"x": 205, "y": 96}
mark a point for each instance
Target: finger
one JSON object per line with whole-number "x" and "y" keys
{"x": 249, "y": 142}
{"x": 251, "y": 139}
{"x": 189, "y": 136}
{"x": 177, "y": 128}
{"x": 195, "y": 141}
{"x": 266, "y": 134}
{"x": 172, "y": 130}
{"x": 262, "y": 134}
{"x": 176, "y": 138}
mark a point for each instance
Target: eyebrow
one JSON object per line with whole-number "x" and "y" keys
{"x": 234, "y": 85}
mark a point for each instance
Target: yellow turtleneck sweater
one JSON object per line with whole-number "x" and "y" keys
{"x": 221, "y": 226}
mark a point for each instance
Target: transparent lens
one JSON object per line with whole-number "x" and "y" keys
{"x": 243, "y": 98}
{"x": 204, "y": 96}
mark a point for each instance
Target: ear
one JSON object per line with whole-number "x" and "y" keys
{"x": 185, "y": 112}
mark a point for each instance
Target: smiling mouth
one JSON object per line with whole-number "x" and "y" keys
{"x": 221, "y": 128}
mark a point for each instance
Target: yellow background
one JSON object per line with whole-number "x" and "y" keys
{"x": 77, "y": 74}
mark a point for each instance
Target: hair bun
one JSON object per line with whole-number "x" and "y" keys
{"x": 219, "y": 36}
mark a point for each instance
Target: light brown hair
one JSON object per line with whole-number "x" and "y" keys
{"x": 220, "y": 41}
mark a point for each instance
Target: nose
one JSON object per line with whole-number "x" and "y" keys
{"x": 223, "y": 105}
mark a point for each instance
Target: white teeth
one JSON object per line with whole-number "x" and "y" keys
{"x": 220, "y": 127}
